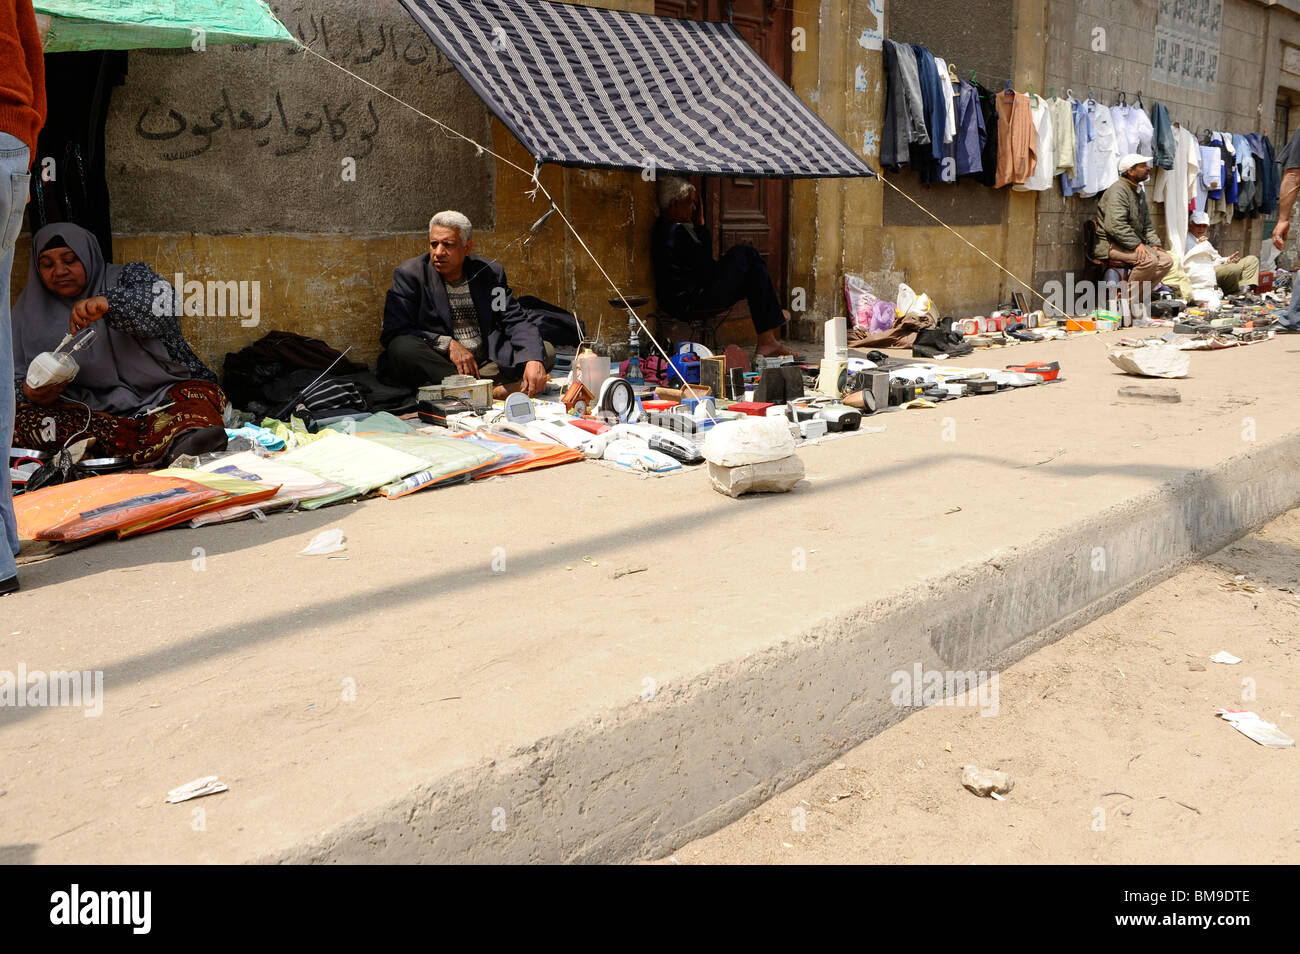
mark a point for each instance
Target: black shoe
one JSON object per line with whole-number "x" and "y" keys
{"x": 9, "y": 586}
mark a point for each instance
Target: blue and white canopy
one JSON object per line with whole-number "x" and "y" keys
{"x": 583, "y": 86}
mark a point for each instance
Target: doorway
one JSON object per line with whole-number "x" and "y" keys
{"x": 747, "y": 211}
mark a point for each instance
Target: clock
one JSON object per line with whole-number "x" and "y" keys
{"x": 617, "y": 397}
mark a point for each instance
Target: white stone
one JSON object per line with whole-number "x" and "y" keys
{"x": 771, "y": 477}
{"x": 986, "y": 782}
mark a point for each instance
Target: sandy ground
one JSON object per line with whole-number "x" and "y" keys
{"x": 1124, "y": 705}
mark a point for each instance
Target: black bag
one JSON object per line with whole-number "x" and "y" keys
{"x": 59, "y": 469}
{"x": 557, "y": 326}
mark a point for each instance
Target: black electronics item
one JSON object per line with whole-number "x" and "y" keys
{"x": 437, "y": 412}
{"x": 779, "y": 385}
{"x": 938, "y": 394}
{"x": 736, "y": 383}
{"x": 1188, "y": 328}
{"x": 976, "y": 385}
{"x": 873, "y": 380}
{"x": 1167, "y": 307}
{"x": 900, "y": 392}
{"x": 839, "y": 418}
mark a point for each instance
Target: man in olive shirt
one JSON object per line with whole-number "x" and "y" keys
{"x": 1125, "y": 235}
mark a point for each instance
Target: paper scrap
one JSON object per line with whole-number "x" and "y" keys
{"x": 1228, "y": 659}
{"x": 208, "y": 785}
{"x": 1253, "y": 727}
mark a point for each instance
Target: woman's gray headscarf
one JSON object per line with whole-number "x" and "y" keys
{"x": 120, "y": 374}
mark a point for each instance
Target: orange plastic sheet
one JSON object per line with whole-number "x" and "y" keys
{"x": 86, "y": 508}
{"x": 540, "y": 455}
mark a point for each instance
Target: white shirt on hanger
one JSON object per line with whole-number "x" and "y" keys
{"x": 1101, "y": 155}
{"x": 950, "y": 112}
{"x": 1175, "y": 187}
{"x": 1133, "y": 130}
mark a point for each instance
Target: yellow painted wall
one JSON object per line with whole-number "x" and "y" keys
{"x": 333, "y": 286}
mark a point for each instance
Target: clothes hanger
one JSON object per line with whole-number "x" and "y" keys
{"x": 1069, "y": 93}
{"x": 1051, "y": 92}
{"x": 1121, "y": 98}
{"x": 1138, "y": 103}
{"x": 973, "y": 74}
{"x": 952, "y": 74}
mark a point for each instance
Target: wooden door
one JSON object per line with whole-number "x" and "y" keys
{"x": 747, "y": 211}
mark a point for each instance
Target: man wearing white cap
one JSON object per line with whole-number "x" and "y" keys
{"x": 1125, "y": 235}
{"x": 1233, "y": 274}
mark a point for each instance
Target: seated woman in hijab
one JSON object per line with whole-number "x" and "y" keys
{"x": 140, "y": 390}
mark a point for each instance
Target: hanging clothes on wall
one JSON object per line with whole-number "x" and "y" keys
{"x": 925, "y": 158}
{"x": 950, "y": 114}
{"x": 1102, "y": 154}
{"x": 1073, "y": 184}
{"x": 1133, "y": 130}
{"x": 968, "y": 145}
{"x": 1162, "y": 142}
{"x": 1210, "y": 177}
{"x": 1246, "y": 191}
{"x": 1268, "y": 173}
{"x": 1062, "y": 134}
{"x": 992, "y": 134}
{"x": 1044, "y": 160}
{"x": 1176, "y": 187}
{"x": 904, "y": 108}
{"x": 1016, "y": 155}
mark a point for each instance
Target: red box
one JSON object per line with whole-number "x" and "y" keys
{"x": 752, "y": 408}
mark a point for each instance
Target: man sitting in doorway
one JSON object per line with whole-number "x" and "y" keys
{"x": 688, "y": 279}
{"x": 1234, "y": 274}
{"x": 450, "y": 312}
{"x": 1125, "y": 235}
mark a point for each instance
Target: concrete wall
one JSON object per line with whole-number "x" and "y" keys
{"x": 1250, "y": 55}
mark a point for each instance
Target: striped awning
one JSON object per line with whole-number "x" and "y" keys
{"x": 583, "y": 86}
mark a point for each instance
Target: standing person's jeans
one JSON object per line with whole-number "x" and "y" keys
{"x": 1292, "y": 320}
{"x": 14, "y": 160}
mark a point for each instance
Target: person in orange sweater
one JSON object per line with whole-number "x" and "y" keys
{"x": 22, "y": 114}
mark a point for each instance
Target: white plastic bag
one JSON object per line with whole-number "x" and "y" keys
{"x": 751, "y": 440}
{"x": 911, "y": 305}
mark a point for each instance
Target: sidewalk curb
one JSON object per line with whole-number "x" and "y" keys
{"x": 640, "y": 781}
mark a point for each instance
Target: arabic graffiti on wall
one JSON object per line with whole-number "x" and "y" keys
{"x": 271, "y": 138}
{"x": 160, "y": 123}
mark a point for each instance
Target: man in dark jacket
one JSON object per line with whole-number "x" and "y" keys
{"x": 1125, "y": 235}
{"x": 450, "y": 312}
{"x": 688, "y": 278}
